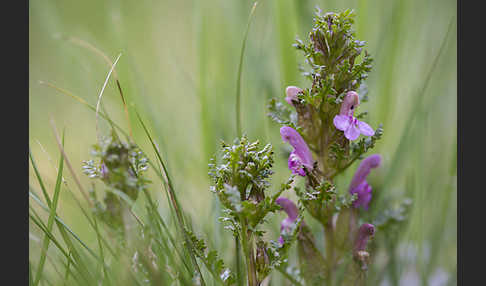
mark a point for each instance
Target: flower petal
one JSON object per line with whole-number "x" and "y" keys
{"x": 295, "y": 164}
{"x": 342, "y": 122}
{"x": 301, "y": 150}
{"x": 350, "y": 102}
{"x": 289, "y": 207}
{"x": 364, "y": 233}
{"x": 363, "y": 170}
{"x": 292, "y": 211}
{"x": 365, "y": 129}
{"x": 363, "y": 192}
{"x": 352, "y": 133}
{"x": 291, "y": 92}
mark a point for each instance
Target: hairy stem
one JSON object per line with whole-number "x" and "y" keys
{"x": 247, "y": 243}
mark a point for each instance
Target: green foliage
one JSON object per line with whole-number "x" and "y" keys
{"x": 332, "y": 54}
{"x": 278, "y": 253}
{"x": 281, "y": 114}
{"x": 391, "y": 218}
{"x": 241, "y": 179}
{"x": 121, "y": 168}
{"x": 211, "y": 260}
{"x": 323, "y": 200}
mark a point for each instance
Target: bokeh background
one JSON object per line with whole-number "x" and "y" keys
{"x": 178, "y": 69}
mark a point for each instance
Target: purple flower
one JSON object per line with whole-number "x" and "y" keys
{"x": 104, "y": 171}
{"x": 292, "y": 92}
{"x": 345, "y": 121}
{"x": 359, "y": 185}
{"x": 365, "y": 231}
{"x": 301, "y": 156}
{"x": 291, "y": 209}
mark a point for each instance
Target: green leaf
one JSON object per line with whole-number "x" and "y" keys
{"x": 211, "y": 260}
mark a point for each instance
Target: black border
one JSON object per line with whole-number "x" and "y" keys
{"x": 470, "y": 146}
{"x": 15, "y": 137}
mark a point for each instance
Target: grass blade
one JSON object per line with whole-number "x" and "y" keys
{"x": 100, "y": 246}
{"x": 177, "y": 207}
{"x": 101, "y": 94}
{"x": 30, "y": 274}
{"x": 50, "y": 221}
{"x": 39, "y": 179}
{"x": 240, "y": 68}
{"x": 85, "y": 103}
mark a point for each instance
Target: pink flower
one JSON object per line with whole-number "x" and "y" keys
{"x": 365, "y": 232}
{"x": 291, "y": 209}
{"x": 301, "y": 156}
{"x": 359, "y": 185}
{"x": 292, "y": 92}
{"x": 345, "y": 121}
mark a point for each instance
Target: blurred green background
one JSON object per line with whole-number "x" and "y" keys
{"x": 179, "y": 68}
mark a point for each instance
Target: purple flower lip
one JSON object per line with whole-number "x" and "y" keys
{"x": 292, "y": 92}
{"x": 345, "y": 120}
{"x": 365, "y": 231}
{"x": 359, "y": 185}
{"x": 301, "y": 156}
{"x": 292, "y": 211}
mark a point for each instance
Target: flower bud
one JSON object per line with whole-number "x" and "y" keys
{"x": 292, "y": 92}
{"x": 350, "y": 102}
{"x": 365, "y": 232}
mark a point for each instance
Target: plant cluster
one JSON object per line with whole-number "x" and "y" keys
{"x": 121, "y": 168}
{"x": 320, "y": 124}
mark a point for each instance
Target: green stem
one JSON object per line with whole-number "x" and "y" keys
{"x": 247, "y": 243}
{"x": 329, "y": 234}
{"x": 238, "y": 261}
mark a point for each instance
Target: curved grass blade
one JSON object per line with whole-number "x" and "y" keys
{"x": 107, "y": 60}
{"x": 85, "y": 103}
{"x": 101, "y": 93}
{"x": 238, "y": 263}
{"x": 240, "y": 68}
